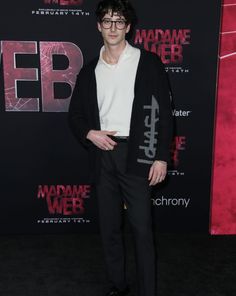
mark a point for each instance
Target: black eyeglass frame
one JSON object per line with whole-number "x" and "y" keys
{"x": 115, "y": 22}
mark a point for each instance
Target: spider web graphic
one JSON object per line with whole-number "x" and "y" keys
{"x": 228, "y": 30}
{"x": 13, "y": 74}
{"x": 20, "y": 104}
{"x": 71, "y": 53}
{"x": 49, "y": 75}
{"x": 48, "y": 50}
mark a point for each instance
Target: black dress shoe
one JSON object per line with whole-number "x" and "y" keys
{"x": 115, "y": 292}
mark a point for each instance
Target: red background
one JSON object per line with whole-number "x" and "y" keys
{"x": 223, "y": 217}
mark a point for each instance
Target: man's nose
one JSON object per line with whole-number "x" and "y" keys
{"x": 113, "y": 26}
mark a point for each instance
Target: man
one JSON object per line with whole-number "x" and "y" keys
{"x": 121, "y": 111}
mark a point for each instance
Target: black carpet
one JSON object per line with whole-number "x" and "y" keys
{"x": 66, "y": 265}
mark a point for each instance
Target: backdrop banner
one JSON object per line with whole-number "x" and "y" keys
{"x": 223, "y": 210}
{"x": 44, "y": 170}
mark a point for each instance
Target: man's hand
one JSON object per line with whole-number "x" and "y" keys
{"x": 101, "y": 139}
{"x": 157, "y": 172}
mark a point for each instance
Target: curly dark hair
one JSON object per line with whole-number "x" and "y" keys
{"x": 121, "y": 7}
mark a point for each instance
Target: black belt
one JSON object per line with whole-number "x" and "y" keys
{"x": 119, "y": 139}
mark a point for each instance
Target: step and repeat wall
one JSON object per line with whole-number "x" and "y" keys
{"x": 44, "y": 170}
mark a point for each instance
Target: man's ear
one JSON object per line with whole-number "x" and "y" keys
{"x": 99, "y": 27}
{"x": 128, "y": 28}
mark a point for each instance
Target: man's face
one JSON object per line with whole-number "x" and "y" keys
{"x": 114, "y": 35}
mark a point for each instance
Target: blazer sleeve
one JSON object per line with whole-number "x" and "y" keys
{"x": 78, "y": 110}
{"x": 164, "y": 97}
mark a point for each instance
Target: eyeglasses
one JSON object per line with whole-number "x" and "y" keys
{"x": 119, "y": 24}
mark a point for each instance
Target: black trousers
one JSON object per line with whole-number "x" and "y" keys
{"x": 115, "y": 188}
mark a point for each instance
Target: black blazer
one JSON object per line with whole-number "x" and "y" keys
{"x": 151, "y": 118}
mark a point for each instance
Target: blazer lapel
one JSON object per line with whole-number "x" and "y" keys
{"x": 93, "y": 96}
